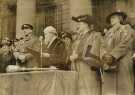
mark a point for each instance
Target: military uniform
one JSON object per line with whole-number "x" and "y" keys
{"x": 86, "y": 51}
{"x": 85, "y": 46}
{"x": 23, "y": 56}
{"x": 118, "y": 42}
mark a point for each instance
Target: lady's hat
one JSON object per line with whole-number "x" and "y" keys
{"x": 122, "y": 15}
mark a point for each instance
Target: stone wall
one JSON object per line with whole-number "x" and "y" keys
{"x": 26, "y": 10}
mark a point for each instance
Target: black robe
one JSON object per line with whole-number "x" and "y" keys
{"x": 57, "y": 53}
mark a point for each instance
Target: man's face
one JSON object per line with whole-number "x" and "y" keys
{"x": 27, "y": 31}
{"x": 114, "y": 20}
{"x": 27, "y": 34}
{"x": 82, "y": 26}
{"x": 48, "y": 37}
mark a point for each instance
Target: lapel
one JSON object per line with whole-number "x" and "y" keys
{"x": 112, "y": 37}
{"x": 53, "y": 44}
{"x": 82, "y": 43}
{"x": 88, "y": 43}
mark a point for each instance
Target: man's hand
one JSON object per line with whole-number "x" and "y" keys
{"x": 47, "y": 55}
{"x": 22, "y": 57}
{"x": 40, "y": 38}
{"x": 74, "y": 56}
{"x": 108, "y": 59}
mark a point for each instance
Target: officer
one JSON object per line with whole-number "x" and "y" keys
{"x": 85, "y": 56}
{"x": 21, "y": 53}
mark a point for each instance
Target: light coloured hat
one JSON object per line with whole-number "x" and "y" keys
{"x": 50, "y": 29}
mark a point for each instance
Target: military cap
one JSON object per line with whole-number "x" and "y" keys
{"x": 84, "y": 18}
{"x": 27, "y": 26}
{"x": 123, "y": 16}
{"x": 66, "y": 34}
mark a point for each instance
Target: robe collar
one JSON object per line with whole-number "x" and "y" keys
{"x": 50, "y": 43}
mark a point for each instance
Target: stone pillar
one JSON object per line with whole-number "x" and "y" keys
{"x": 26, "y": 10}
{"x": 4, "y": 19}
{"x": 79, "y": 7}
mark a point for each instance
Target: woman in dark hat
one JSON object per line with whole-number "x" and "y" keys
{"x": 122, "y": 16}
{"x": 85, "y": 56}
{"x": 116, "y": 55}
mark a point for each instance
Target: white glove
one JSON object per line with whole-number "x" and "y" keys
{"x": 74, "y": 56}
{"x": 22, "y": 57}
{"x": 40, "y": 38}
{"x": 46, "y": 55}
{"x": 16, "y": 54}
{"x": 12, "y": 68}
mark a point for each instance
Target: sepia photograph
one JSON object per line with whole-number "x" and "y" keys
{"x": 67, "y": 47}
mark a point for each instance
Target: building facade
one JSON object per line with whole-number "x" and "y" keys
{"x": 41, "y": 13}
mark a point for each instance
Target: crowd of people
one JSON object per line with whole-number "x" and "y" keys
{"x": 104, "y": 62}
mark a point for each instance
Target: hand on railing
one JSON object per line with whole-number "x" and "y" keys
{"x": 47, "y": 55}
{"x": 73, "y": 57}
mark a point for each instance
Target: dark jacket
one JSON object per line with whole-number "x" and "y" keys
{"x": 57, "y": 53}
{"x": 5, "y": 60}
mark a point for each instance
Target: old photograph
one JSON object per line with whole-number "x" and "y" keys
{"x": 67, "y": 47}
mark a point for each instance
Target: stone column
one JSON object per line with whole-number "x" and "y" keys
{"x": 4, "y": 18}
{"x": 26, "y": 10}
{"x": 79, "y": 7}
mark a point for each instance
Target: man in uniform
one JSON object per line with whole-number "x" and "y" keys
{"x": 22, "y": 55}
{"x": 116, "y": 54}
{"x": 85, "y": 56}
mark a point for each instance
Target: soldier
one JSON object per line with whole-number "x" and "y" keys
{"x": 116, "y": 54}
{"x": 85, "y": 56}
{"x": 21, "y": 53}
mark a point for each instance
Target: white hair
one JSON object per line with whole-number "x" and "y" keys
{"x": 50, "y": 29}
